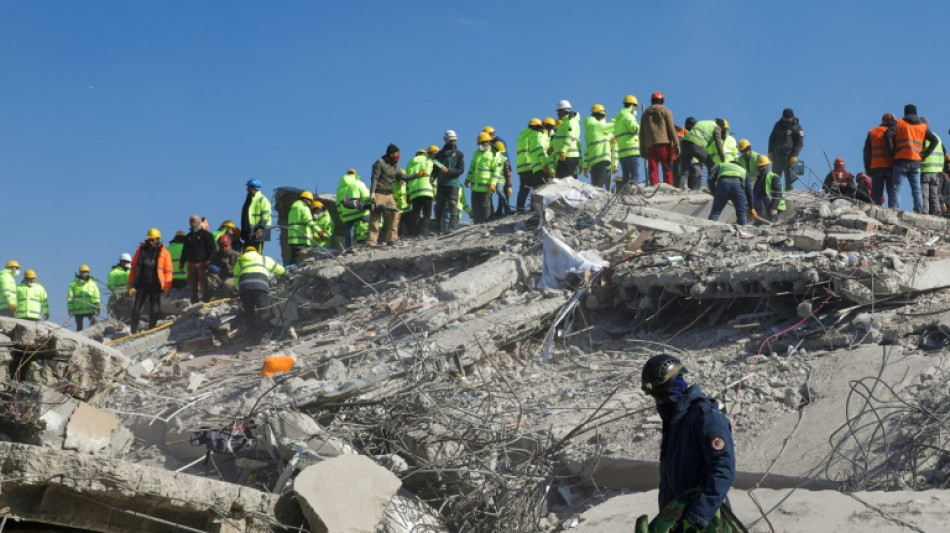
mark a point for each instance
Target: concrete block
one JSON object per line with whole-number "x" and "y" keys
{"x": 347, "y": 494}
{"x": 89, "y": 430}
{"x": 848, "y": 242}
{"x": 809, "y": 240}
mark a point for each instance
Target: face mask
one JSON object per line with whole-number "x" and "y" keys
{"x": 395, "y": 157}
{"x": 483, "y": 146}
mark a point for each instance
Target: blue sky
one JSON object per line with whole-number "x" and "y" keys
{"x": 116, "y": 116}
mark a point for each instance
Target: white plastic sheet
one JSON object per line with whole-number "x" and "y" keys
{"x": 560, "y": 260}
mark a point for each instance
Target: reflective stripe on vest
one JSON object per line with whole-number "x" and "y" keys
{"x": 731, "y": 170}
{"x": 909, "y": 141}
{"x": 934, "y": 162}
{"x": 881, "y": 157}
{"x": 701, "y": 133}
{"x": 769, "y": 178}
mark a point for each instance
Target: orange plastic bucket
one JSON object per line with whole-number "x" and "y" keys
{"x": 276, "y": 364}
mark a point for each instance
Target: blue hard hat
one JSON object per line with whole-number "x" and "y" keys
{"x": 254, "y": 182}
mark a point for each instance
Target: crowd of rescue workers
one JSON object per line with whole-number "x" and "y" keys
{"x": 398, "y": 203}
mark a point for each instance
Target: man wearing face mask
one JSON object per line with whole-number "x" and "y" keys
{"x": 8, "y": 288}
{"x": 385, "y": 175}
{"x": 600, "y": 154}
{"x": 697, "y": 457}
{"x": 481, "y": 179}
{"x": 448, "y": 166}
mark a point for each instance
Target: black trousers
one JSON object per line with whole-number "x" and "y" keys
{"x": 600, "y": 175}
{"x": 567, "y": 168}
{"x": 153, "y": 296}
{"x": 481, "y": 206}
{"x": 255, "y": 304}
{"x": 447, "y": 208}
{"x": 92, "y": 320}
{"x": 421, "y": 216}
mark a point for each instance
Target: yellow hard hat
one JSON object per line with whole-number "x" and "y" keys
{"x": 250, "y": 249}
{"x": 84, "y": 268}
{"x": 433, "y": 149}
{"x": 153, "y": 234}
{"x": 723, "y": 123}
{"x": 534, "y": 122}
{"x": 630, "y": 99}
{"x": 557, "y": 123}
{"x": 598, "y": 108}
{"x": 489, "y": 130}
{"x": 744, "y": 145}
{"x": 500, "y": 146}
{"x": 484, "y": 137}
{"x": 548, "y": 121}
{"x": 178, "y": 233}
{"x": 29, "y": 274}
{"x": 13, "y": 264}
{"x": 420, "y": 151}
{"x": 228, "y": 224}
{"x": 762, "y": 160}
{"x": 317, "y": 204}
{"x": 306, "y": 195}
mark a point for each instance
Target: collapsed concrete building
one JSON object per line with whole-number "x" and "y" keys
{"x": 488, "y": 380}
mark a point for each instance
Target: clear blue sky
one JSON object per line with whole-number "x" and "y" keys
{"x": 116, "y": 116}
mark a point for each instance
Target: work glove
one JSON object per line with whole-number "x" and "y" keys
{"x": 13, "y": 308}
{"x": 613, "y": 170}
{"x": 131, "y": 291}
{"x": 45, "y": 316}
{"x": 753, "y": 214}
{"x": 509, "y": 192}
{"x": 686, "y": 526}
{"x": 550, "y": 150}
{"x": 613, "y": 140}
{"x": 321, "y": 234}
{"x": 423, "y": 173}
{"x": 468, "y": 185}
{"x": 491, "y": 188}
{"x": 562, "y": 156}
{"x": 792, "y": 160}
{"x": 214, "y": 269}
{"x": 943, "y": 208}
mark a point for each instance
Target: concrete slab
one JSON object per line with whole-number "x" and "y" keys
{"x": 89, "y": 430}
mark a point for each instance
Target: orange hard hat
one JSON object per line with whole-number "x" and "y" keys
{"x": 657, "y": 96}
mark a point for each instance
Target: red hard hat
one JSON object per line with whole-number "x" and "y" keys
{"x": 888, "y": 118}
{"x": 224, "y": 240}
{"x": 839, "y": 162}
{"x": 657, "y": 96}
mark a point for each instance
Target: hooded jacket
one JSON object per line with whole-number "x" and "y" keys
{"x": 891, "y": 134}
{"x": 656, "y": 127}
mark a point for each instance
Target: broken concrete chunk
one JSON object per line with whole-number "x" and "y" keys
{"x": 809, "y": 240}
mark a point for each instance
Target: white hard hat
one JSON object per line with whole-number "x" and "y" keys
{"x": 450, "y": 135}
{"x": 125, "y": 257}
{"x": 563, "y": 104}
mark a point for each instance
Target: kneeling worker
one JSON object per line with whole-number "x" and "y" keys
{"x": 252, "y": 274}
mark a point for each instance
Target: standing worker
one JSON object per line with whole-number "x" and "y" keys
{"x": 481, "y": 179}
{"x": 879, "y": 161}
{"x": 180, "y": 275}
{"x": 8, "y": 288}
{"x": 82, "y": 298}
{"x": 197, "y": 252}
{"x": 728, "y": 185}
{"x": 119, "y": 302}
{"x": 658, "y": 137}
{"x": 32, "y": 302}
{"x": 785, "y": 143}
{"x": 448, "y": 166}
{"x": 385, "y": 175}
{"x": 324, "y": 222}
{"x": 600, "y": 150}
{"x": 302, "y": 229}
{"x": 502, "y": 174}
{"x": 252, "y": 274}
{"x": 565, "y": 148}
{"x": 524, "y": 161}
{"x": 255, "y": 215}
{"x": 697, "y": 455}
{"x": 930, "y": 169}
{"x": 352, "y": 203}
{"x": 627, "y": 137}
{"x": 905, "y": 139}
{"x": 150, "y": 276}
{"x": 420, "y": 191}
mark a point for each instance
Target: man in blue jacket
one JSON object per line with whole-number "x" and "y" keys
{"x": 697, "y": 458}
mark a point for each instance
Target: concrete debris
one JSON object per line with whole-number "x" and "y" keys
{"x": 440, "y": 385}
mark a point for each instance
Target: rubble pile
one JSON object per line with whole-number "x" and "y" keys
{"x": 488, "y": 380}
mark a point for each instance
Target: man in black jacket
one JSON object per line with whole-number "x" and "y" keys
{"x": 785, "y": 143}
{"x": 197, "y": 252}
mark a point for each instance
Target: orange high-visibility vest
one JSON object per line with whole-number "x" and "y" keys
{"x": 909, "y": 141}
{"x": 880, "y": 156}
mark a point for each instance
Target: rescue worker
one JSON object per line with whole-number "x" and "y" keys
{"x": 401, "y": 197}
{"x": 82, "y": 298}
{"x": 302, "y": 229}
{"x": 785, "y": 143}
{"x": 702, "y": 136}
{"x": 385, "y": 174}
{"x": 180, "y": 275}
{"x": 228, "y": 228}
{"x": 8, "y": 288}
{"x": 747, "y": 157}
{"x": 565, "y": 146}
{"x": 697, "y": 455}
{"x": 658, "y": 137}
{"x": 540, "y": 167}
{"x": 481, "y": 179}
{"x": 120, "y": 305}
{"x": 768, "y": 196}
{"x": 524, "y": 161}
{"x": 905, "y": 139}
{"x": 448, "y": 166}
{"x": 688, "y": 172}
{"x": 420, "y": 191}
{"x": 600, "y": 148}
{"x": 32, "y": 302}
{"x": 627, "y": 139}
{"x": 879, "y": 161}
{"x": 839, "y": 181}
{"x": 945, "y": 186}
{"x": 502, "y": 173}
{"x": 352, "y": 203}
{"x": 324, "y": 222}
{"x": 196, "y": 253}
{"x": 252, "y": 274}
{"x": 255, "y": 215}
{"x": 494, "y": 136}
{"x": 930, "y": 169}
{"x": 728, "y": 185}
{"x": 730, "y": 148}
{"x": 866, "y": 187}
{"x": 149, "y": 277}
{"x": 221, "y": 268}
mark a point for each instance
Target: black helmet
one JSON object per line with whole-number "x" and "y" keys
{"x": 659, "y": 372}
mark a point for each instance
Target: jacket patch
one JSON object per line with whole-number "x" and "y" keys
{"x": 718, "y": 444}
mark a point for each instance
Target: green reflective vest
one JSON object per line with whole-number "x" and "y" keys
{"x": 31, "y": 301}
{"x": 253, "y": 271}
{"x": 218, "y": 234}
{"x": 538, "y": 146}
{"x": 598, "y": 148}
{"x": 325, "y": 222}
{"x": 351, "y": 187}
{"x": 118, "y": 279}
{"x": 567, "y": 138}
{"x": 731, "y": 170}
{"x": 702, "y": 133}
{"x": 7, "y": 289}
{"x": 934, "y": 162}
{"x": 523, "y": 161}
{"x": 481, "y": 170}
{"x": 301, "y": 229}
{"x": 498, "y": 172}
{"x": 729, "y": 147}
{"x": 627, "y": 132}
{"x": 419, "y": 187}
{"x": 174, "y": 249}
{"x": 748, "y": 163}
{"x": 769, "y": 179}
{"x": 83, "y": 297}
{"x": 258, "y": 213}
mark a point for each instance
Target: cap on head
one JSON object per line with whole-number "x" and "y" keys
{"x": 744, "y": 145}
{"x": 788, "y": 113}
{"x": 125, "y": 257}
{"x": 391, "y": 149}
{"x": 29, "y": 274}
{"x": 13, "y": 263}
{"x": 630, "y": 100}
{"x": 690, "y": 122}
{"x": 500, "y": 146}
{"x": 255, "y": 183}
{"x": 534, "y": 122}
{"x": 658, "y": 372}
{"x": 154, "y": 234}
{"x": 563, "y": 105}
{"x": 839, "y": 163}
{"x": 84, "y": 268}
{"x": 762, "y": 161}
{"x": 910, "y": 109}
{"x": 657, "y": 98}
{"x": 450, "y": 135}
{"x": 433, "y": 149}
{"x": 224, "y": 240}
{"x": 306, "y": 195}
